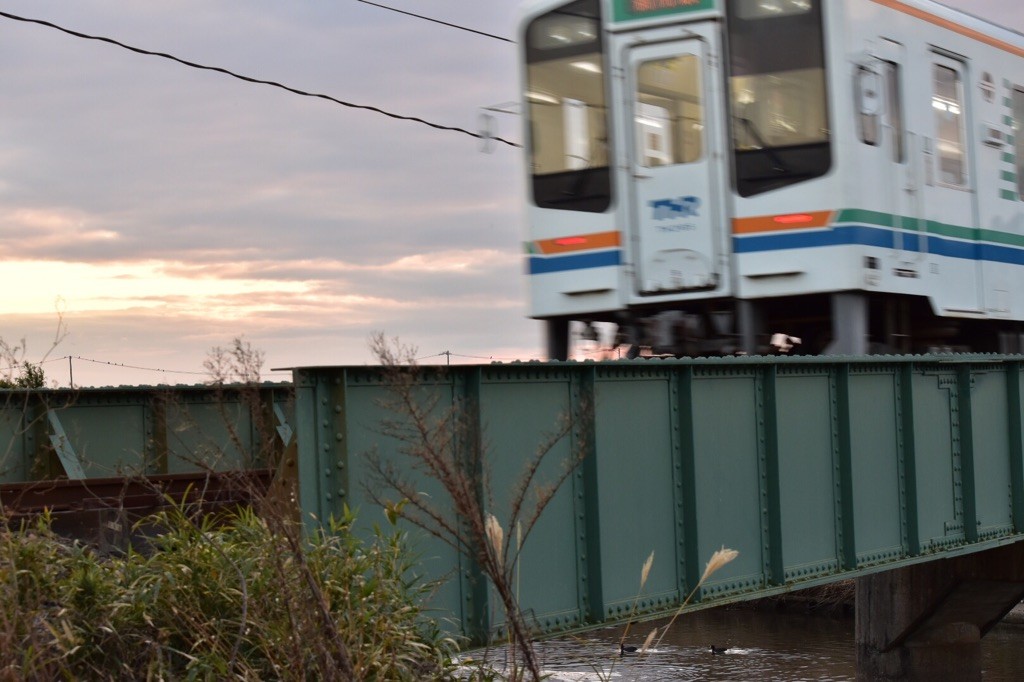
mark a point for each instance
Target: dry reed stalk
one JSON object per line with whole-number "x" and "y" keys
{"x": 647, "y": 642}
{"x": 442, "y": 443}
{"x": 718, "y": 559}
{"x": 645, "y": 571}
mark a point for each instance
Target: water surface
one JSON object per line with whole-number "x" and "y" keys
{"x": 763, "y": 645}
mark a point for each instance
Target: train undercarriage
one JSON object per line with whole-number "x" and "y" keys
{"x": 846, "y": 323}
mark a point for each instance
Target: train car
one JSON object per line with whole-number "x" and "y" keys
{"x": 708, "y": 173}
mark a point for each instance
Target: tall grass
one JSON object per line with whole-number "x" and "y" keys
{"x": 440, "y": 443}
{"x": 217, "y": 598}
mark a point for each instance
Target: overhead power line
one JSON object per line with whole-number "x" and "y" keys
{"x": 438, "y": 21}
{"x": 449, "y": 355}
{"x": 257, "y": 81}
{"x": 122, "y": 365}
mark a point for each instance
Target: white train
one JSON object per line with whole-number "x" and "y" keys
{"x": 705, "y": 173}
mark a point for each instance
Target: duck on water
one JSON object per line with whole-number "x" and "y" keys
{"x": 715, "y": 650}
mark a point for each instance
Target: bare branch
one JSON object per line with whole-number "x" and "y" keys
{"x": 442, "y": 444}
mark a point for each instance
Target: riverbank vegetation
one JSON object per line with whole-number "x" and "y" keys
{"x": 225, "y": 597}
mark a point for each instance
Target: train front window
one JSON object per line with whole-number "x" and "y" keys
{"x": 565, "y": 95}
{"x": 777, "y": 84}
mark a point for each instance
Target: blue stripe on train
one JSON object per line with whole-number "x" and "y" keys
{"x": 537, "y": 265}
{"x": 873, "y": 236}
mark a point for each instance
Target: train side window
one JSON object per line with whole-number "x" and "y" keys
{"x": 669, "y": 116}
{"x": 1018, "y": 137}
{"x": 866, "y": 88}
{"x": 947, "y": 103}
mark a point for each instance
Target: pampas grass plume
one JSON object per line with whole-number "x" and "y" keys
{"x": 496, "y": 536}
{"x": 717, "y": 560}
{"x": 646, "y": 571}
{"x": 647, "y": 642}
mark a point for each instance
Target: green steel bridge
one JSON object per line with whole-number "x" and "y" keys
{"x": 815, "y": 469}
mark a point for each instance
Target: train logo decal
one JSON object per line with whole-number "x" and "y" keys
{"x": 670, "y": 209}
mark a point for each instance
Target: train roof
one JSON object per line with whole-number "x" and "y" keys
{"x": 985, "y": 25}
{"x": 935, "y": 8}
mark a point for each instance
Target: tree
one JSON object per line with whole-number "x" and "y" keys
{"x": 31, "y": 376}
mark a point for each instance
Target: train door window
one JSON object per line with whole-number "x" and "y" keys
{"x": 1018, "y": 137}
{"x": 868, "y": 92}
{"x": 947, "y": 104}
{"x": 894, "y": 108}
{"x": 877, "y": 89}
{"x": 669, "y": 116}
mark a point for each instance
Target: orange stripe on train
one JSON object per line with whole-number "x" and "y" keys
{"x": 785, "y": 221}
{"x": 580, "y": 242}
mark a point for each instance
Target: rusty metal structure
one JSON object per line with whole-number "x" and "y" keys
{"x": 98, "y": 459}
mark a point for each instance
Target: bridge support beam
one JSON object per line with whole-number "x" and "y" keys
{"x": 926, "y": 621}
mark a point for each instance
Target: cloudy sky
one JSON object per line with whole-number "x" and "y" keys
{"x": 161, "y": 210}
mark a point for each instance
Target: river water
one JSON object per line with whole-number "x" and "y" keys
{"x": 762, "y": 646}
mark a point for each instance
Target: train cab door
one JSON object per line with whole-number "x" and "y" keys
{"x": 677, "y": 163}
{"x": 949, "y": 196}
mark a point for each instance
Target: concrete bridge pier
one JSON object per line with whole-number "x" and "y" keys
{"x": 926, "y": 621}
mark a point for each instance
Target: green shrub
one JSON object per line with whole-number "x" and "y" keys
{"x": 218, "y": 598}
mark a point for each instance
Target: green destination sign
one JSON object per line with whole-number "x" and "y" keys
{"x": 638, "y": 9}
